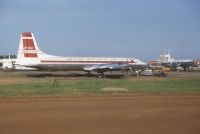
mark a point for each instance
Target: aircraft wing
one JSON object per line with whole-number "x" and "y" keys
{"x": 106, "y": 67}
{"x": 179, "y": 63}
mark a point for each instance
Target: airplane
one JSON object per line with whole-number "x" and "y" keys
{"x": 7, "y": 63}
{"x": 30, "y": 57}
{"x": 167, "y": 61}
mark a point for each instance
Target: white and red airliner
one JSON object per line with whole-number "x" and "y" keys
{"x": 30, "y": 57}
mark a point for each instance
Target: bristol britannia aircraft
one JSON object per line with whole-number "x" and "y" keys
{"x": 30, "y": 57}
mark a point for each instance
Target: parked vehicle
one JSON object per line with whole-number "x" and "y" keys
{"x": 146, "y": 72}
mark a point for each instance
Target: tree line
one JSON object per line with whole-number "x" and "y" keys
{"x": 7, "y": 56}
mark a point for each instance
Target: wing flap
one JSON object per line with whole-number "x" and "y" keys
{"x": 107, "y": 67}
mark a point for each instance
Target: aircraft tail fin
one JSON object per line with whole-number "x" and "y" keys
{"x": 28, "y": 47}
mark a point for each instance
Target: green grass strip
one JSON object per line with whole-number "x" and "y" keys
{"x": 94, "y": 86}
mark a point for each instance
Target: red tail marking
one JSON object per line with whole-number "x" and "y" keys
{"x": 28, "y": 44}
{"x": 26, "y": 34}
{"x": 30, "y": 55}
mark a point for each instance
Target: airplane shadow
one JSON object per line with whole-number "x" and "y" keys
{"x": 72, "y": 75}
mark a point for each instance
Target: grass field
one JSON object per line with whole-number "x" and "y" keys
{"x": 85, "y": 86}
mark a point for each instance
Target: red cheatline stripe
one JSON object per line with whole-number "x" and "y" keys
{"x": 112, "y": 62}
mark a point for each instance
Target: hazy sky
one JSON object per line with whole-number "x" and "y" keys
{"x": 116, "y": 28}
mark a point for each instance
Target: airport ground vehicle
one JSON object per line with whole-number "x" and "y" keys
{"x": 166, "y": 69}
{"x": 160, "y": 73}
{"x": 146, "y": 72}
